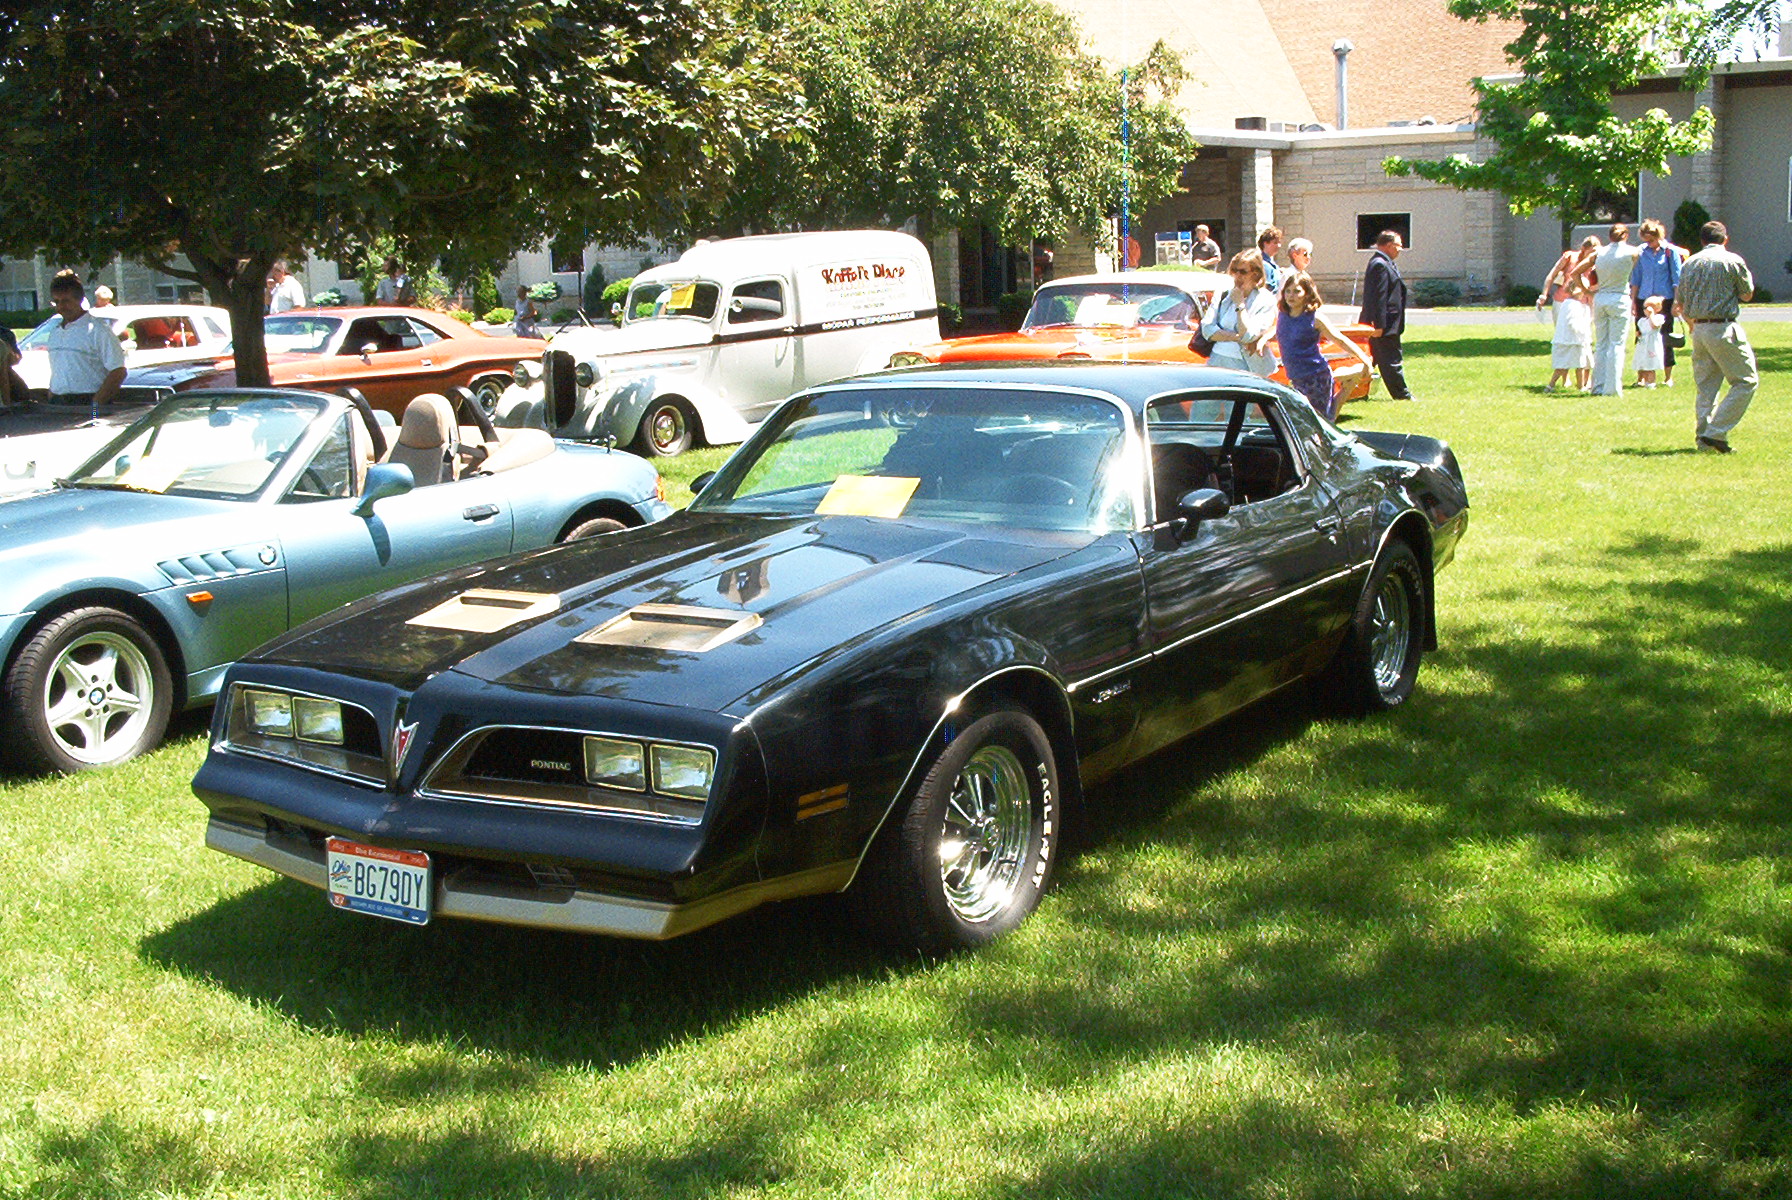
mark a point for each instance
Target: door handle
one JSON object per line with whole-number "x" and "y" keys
{"x": 429, "y": 362}
{"x": 479, "y": 512}
{"x": 1329, "y": 523}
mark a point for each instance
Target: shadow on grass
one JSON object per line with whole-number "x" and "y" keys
{"x": 1629, "y": 764}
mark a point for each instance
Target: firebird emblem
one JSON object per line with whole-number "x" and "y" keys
{"x": 401, "y": 744}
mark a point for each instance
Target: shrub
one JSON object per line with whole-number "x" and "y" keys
{"x": 463, "y": 315}
{"x": 562, "y": 316}
{"x": 1521, "y": 295}
{"x": 1435, "y": 293}
{"x": 541, "y": 293}
{"x": 593, "y": 299}
{"x": 1762, "y": 296}
{"x": 329, "y": 298}
{"x": 1011, "y": 308}
{"x": 1687, "y": 220}
{"x": 499, "y": 315}
{"x": 613, "y": 295}
{"x": 485, "y": 292}
{"x": 951, "y": 315}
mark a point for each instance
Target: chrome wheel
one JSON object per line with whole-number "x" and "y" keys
{"x": 1390, "y": 633}
{"x": 666, "y": 430}
{"x": 488, "y": 392}
{"x": 987, "y": 830}
{"x": 98, "y": 698}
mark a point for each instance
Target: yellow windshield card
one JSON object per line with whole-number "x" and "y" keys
{"x": 152, "y": 474}
{"x": 683, "y": 297}
{"x": 868, "y": 496}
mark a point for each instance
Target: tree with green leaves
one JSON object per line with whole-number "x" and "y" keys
{"x": 1557, "y": 144}
{"x": 210, "y": 137}
{"x": 954, "y": 112}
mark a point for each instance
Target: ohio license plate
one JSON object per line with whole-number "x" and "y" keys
{"x": 383, "y": 883}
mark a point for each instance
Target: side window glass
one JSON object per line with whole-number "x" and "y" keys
{"x": 760, "y": 300}
{"x": 330, "y": 475}
{"x": 1262, "y": 463}
{"x": 423, "y": 334}
{"x": 1228, "y": 442}
{"x": 363, "y": 333}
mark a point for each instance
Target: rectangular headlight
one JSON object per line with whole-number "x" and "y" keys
{"x": 269, "y": 713}
{"x": 616, "y": 762}
{"x": 317, "y": 720}
{"x": 683, "y": 771}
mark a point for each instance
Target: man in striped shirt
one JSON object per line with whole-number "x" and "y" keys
{"x": 1713, "y": 285}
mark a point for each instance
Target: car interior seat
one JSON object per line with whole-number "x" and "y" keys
{"x": 1178, "y": 468}
{"x": 428, "y": 440}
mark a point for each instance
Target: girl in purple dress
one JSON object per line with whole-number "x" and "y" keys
{"x": 1300, "y": 327}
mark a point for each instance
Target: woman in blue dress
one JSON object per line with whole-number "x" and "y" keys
{"x": 1300, "y": 327}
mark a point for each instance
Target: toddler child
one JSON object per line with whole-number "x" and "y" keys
{"x": 1647, "y": 358}
{"x": 1572, "y": 347}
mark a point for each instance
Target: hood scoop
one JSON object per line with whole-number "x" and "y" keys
{"x": 672, "y": 627}
{"x": 486, "y": 610}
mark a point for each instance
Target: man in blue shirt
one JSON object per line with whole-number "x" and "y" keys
{"x": 1657, "y": 273}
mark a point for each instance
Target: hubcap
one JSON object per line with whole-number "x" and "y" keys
{"x": 668, "y": 428}
{"x": 98, "y": 697}
{"x": 1390, "y": 632}
{"x": 988, "y": 824}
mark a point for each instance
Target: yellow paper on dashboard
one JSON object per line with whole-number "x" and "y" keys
{"x": 682, "y": 297}
{"x": 868, "y": 496}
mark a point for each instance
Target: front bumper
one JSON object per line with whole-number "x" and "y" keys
{"x": 467, "y": 893}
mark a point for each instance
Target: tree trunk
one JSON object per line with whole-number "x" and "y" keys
{"x": 241, "y": 287}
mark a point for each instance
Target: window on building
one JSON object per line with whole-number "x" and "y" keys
{"x": 1369, "y": 226}
{"x": 569, "y": 256}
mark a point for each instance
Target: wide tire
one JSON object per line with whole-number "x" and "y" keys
{"x": 90, "y": 689}
{"x": 667, "y": 428}
{"x": 1378, "y": 664}
{"x": 973, "y": 851}
{"x": 595, "y": 527}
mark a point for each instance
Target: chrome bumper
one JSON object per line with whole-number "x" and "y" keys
{"x": 574, "y": 911}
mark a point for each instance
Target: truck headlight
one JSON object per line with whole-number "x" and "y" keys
{"x": 585, "y": 374}
{"x": 907, "y": 358}
{"x": 526, "y": 372}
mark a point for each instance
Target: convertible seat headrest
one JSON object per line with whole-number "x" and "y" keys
{"x": 428, "y": 440}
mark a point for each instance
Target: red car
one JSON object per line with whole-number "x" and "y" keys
{"x": 1138, "y": 316}
{"x": 390, "y": 354}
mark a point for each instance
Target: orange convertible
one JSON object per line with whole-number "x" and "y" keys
{"x": 390, "y": 354}
{"x": 1147, "y": 316}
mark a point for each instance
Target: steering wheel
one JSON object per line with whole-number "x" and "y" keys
{"x": 1035, "y": 487}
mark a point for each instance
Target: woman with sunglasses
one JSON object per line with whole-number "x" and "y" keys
{"x": 1244, "y": 319}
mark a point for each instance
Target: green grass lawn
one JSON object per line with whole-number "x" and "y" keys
{"x": 1530, "y": 936}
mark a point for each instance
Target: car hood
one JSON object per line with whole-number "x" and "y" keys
{"x": 91, "y": 532}
{"x": 1080, "y": 341}
{"x": 794, "y": 589}
{"x": 597, "y": 341}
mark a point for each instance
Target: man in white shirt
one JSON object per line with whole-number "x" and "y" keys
{"x": 1611, "y": 311}
{"x": 86, "y": 361}
{"x": 285, "y": 292}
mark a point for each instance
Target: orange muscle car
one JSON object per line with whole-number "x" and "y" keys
{"x": 390, "y": 354}
{"x": 1143, "y": 316}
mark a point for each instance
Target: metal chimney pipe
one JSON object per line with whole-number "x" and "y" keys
{"x": 1341, "y": 50}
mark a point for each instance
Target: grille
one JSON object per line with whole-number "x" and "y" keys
{"x": 530, "y": 756}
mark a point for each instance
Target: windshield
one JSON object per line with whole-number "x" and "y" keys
{"x": 299, "y": 335}
{"x": 672, "y": 298}
{"x": 1114, "y": 304}
{"x": 971, "y": 455}
{"x": 225, "y": 445}
{"x": 40, "y": 337}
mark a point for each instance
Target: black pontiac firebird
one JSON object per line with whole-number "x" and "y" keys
{"x": 905, "y": 625}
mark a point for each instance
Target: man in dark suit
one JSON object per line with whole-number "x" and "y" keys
{"x": 1384, "y": 312}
